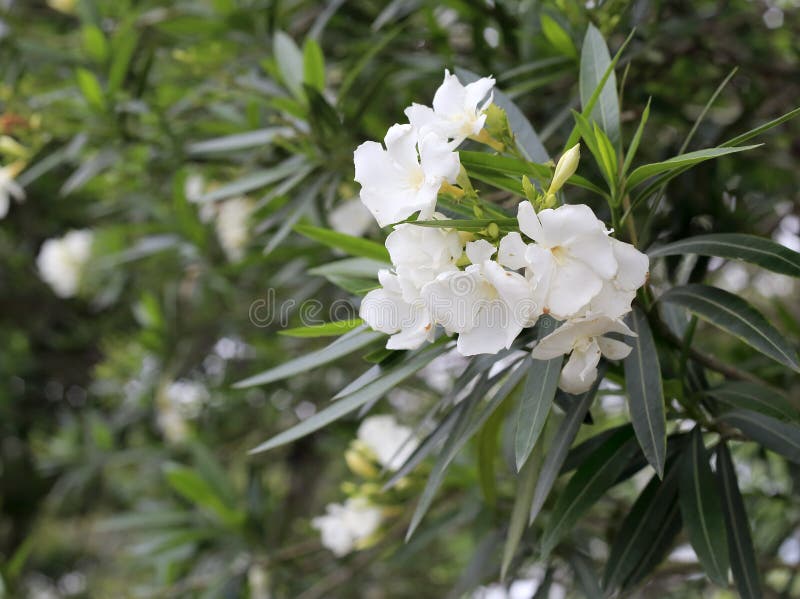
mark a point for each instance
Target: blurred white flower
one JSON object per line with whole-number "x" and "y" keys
{"x": 345, "y": 527}
{"x": 188, "y": 397}
{"x": 397, "y": 182}
{"x": 62, "y": 260}
{"x": 457, "y": 111}
{"x": 351, "y": 217}
{"x": 9, "y": 188}
{"x": 171, "y": 423}
{"x": 233, "y": 226}
{"x": 584, "y": 339}
{"x": 391, "y": 442}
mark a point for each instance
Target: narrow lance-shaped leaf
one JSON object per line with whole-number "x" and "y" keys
{"x": 735, "y": 316}
{"x": 740, "y": 544}
{"x": 595, "y": 59}
{"x": 592, "y": 479}
{"x": 781, "y": 437}
{"x": 327, "y": 329}
{"x": 534, "y": 406}
{"x": 702, "y": 511}
{"x": 355, "y": 246}
{"x": 562, "y": 441}
{"x": 352, "y": 402}
{"x": 645, "y": 394}
{"x": 341, "y": 347}
{"x": 754, "y": 397}
{"x": 290, "y": 62}
{"x": 640, "y": 527}
{"x": 736, "y": 246}
{"x": 526, "y": 482}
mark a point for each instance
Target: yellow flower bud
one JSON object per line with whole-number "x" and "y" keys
{"x": 565, "y": 168}
{"x": 360, "y": 465}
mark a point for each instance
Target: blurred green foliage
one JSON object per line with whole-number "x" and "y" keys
{"x": 117, "y": 107}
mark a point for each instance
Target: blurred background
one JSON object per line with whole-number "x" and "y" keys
{"x": 179, "y": 140}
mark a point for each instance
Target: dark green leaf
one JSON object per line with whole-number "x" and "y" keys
{"x": 355, "y": 246}
{"x": 645, "y": 394}
{"x": 758, "y": 398}
{"x": 526, "y": 482}
{"x": 534, "y": 406}
{"x": 592, "y": 479}
{"x": 735, "y": 316}
{"x": 777, "y": 435}
{"x": 740, "y": 544}
{"x": 702, "y": 511}
{"x": 196, "y": 489}
{"x": 239, "y": 141}
{"x": 637, "y": 137}
{"x": 736, "y": 246}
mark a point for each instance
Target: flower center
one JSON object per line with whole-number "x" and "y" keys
{"x": 416, "y": 179}
{"x": 560, "y": 254}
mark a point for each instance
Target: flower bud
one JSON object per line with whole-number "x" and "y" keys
{"x": 360, "y": 465}
{"x": 565, "y": 168}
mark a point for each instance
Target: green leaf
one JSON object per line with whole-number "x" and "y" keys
{"x": 290, "y": 63}
{"x": 660, "y": 544}
{"x": 534, "y": 406}
{"x": 702, "y": 511}
{"x": 313, "y": 65}
{"x": 637, "y": 137}
{"x": 94, "y": 42}
{"x": 123, "y": 45}
{"x": 739, "y": 139}
{"x": 777, "y": 435}
{"x": 477, "y": 224}
{"x": 328, "y": 329}
{"x": 740, "y": 544}
{"x": 595, "y": 60}
{"x": 558, "y": 38}
{"x": 91, "y": 89}
{"x": 735, "y": 316}
{"x": 642, "y": 173}
{"x": 351, "y": 342}
{"x": 197, "y": 490}
{"x": 736, "y": 246}
{"x": 349, "y": 403}
{"x": 239, "y": 141}
{"x": 758, "y": 398}
{"x": 558, "y": 449}
{"x": 255, "y": 180}
{"x": 355, "y": 246}
{"x": 645, "y": 393}
{"x": 505, "y": 165}
{"x": 351, "y": 267}
{"x": 592, "y": 479}
{"x": 640, "y": 527}
{"x": 526, "y": 482}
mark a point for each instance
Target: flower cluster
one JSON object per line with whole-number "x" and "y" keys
{"x": 561, "y": 262}
{"x": 381, "y": 443}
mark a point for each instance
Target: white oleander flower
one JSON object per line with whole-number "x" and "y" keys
{"x": 408, "y": 322}
{"x": 584, "y": 339}
{"x": 457, "y": 111}
{"x": 61, "y": 261}
{"x": 345, "y": 527}
{"x": 10, "y": 188}
{"x": 614, "y": 299}
{"x": 420, "y": 254}
{"x": 233, "y": 226}
{"x": 188, "y": 397}
{"x": 405, "y": 177}
{"x": 351, "y": 217}
{"x": 391, "y": 442}
{"x": 171, "y": 422}
{"x": 569, "y": 262}
{"x": 485, "y": 304}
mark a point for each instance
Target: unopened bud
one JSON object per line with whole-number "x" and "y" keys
{"x": 565, "y": 168}
{"x": 360, "y": 465}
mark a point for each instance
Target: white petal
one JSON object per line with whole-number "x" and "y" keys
{"x": 529, "y": 222}
{"x": 613, "y": 349}
{"x": 580, "y": 371}
{"x": 439, "y": 161}
{"x": 518, "y": 308}
{"x": 572, "y": 285}
{"x": 480, "y": 251}
{"x": 633, "y": 266}
{"x": 421, "y": 116}
{"x": 401, "y": 145}
{"x": 372, "y": 164}
{"x": 449, "y": 98}
{"x": 569, "y": 222}
{"x": 611, "y": 302}
{"x": 485, "y": 337}
{"x": 594, "y": 250}
{"x": 4, "y": 202}
{"x": 511, "y": 253}
{"x": 476, "y": 91}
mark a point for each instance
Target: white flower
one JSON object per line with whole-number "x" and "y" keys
{"x": 398, "y": 181}
{"x": 187, "y": 396}
{"x": 346, "y": 526}
{"x": 351, "y": 217}
{"x": 457, "y": 112}
{"x": 61, "y": 261}
{"x": 10, "y": 188}
{"x": 171, "y": 423}
{"x": 233, "y": 226}
{"x": 385, "y": 310}
{"x": 485, "y": 304}
{"x": 570, "y": 260}
{"x": 419, "y": 254}
{"x": 584, "y": 338}
{"x": 391, "y": 442}
{"x": 614, "y": 299}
